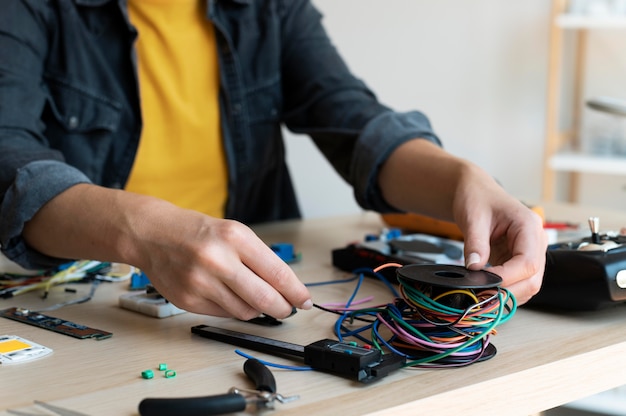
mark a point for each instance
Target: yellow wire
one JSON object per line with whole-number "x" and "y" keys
{"x": 459, "y": 291}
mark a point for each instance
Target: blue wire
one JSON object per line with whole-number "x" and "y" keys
{"x": 356, "y": 335}
{"x": 344, "y": 315}
{"x": 270, "y": 364}
{"x": 381, "y": 278}
{"x": 357, "y": 273}
{"x": 385, "y": 342}
{"x": 338, "y": 325}
{"x": 331, "y": 282}
{"x": 356, "y": 290}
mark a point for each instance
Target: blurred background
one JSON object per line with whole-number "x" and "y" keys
{"x": 479, "y": 70}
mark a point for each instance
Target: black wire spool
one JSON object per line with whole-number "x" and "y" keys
{"x": 449, "y": 276}
{"x": 435, "y": 279}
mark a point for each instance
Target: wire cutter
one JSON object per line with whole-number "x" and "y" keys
{"x": 263, "y": 396}
{"x": 56, "y": 409}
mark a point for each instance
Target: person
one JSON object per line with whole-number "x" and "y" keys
{"x": 113, "y": 112}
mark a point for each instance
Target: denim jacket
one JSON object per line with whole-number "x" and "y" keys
{"x": 70, "y": 110}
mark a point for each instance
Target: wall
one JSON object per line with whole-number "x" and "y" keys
{"x": 477, "y": 68}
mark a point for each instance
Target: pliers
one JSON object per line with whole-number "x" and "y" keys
{"x": 263, "y": 396}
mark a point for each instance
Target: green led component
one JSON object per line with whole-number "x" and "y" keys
{"x": 162, "y": 367}
{"x": 147, "y": 374}
{"x": 170, "y": 374}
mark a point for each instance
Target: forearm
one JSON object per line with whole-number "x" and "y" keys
{"x": 91, "y": 222}
{"x": 420, "y": 176}
{"x": 200, "y": 263}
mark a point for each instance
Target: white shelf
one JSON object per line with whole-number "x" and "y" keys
{"x": 568, "y": 21}
{"x": 579, "y": 162}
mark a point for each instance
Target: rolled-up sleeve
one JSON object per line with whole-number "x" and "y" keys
{"x": 31, "y": 173}
{"x": 380, "y": 137}
{"x": 35, "y": 184}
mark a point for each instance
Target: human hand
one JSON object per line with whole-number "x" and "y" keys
{"x": 199, "y": 263}
{"x": 421, "y": 177}
{"x": 219, "y": 267}
{"x": 500, "y": 230}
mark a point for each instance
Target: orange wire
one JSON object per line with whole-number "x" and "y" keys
{"x": 384, "y": 266}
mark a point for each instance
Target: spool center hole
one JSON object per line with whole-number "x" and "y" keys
{"x": 442, "y": 273}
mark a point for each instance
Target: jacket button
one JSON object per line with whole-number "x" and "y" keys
{"x": 72, "y": 122}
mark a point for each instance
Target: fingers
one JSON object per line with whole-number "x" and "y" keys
{"x": 521, "y": 275}
{"x": 477, "y": 241}
{"x": 270, "y": 290}
{"x": 237, "y": 274}
{"x": 261, "y": 278}
{"x": 261, "y": 261}
{"x": 520, "y": 259}
{"x": 512, "y": 241}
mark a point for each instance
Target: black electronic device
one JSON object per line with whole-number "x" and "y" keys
{"x": 584, "y": 274}
{"x": 391, "y": 246}
{"x": 341, "y": 358}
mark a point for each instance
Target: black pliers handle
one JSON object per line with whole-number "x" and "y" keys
{"x": 235, "y": 400}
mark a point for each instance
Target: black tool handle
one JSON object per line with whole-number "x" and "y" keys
{"x": 261, "y": 375}
{"x": 193, "y": 406}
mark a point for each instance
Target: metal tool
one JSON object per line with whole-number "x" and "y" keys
{"x": 336, "y": 357}
{"x": 56, "y": 409}
{"x": 263, "y": 396}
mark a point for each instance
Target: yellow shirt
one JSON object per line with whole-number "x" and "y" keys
{"x": 180, "y": 156}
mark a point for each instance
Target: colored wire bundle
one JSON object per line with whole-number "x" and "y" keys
{"x": 432, "y": 327}
{"x": 429, "y": 325}
{"x": 71, "y": 272}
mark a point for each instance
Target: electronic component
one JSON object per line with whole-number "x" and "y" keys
{"x": 139, "y": 281}
{"x": 54, "y": 324}
{"x": 584, "y": 274}
{"x": 286, "y": 252}
{"x": 149, "y": 302}
{"x": 346, "y": 359}
{"x": 267, "y": 320}
{"x": 14, "y": 349}
{"x": 393, "y": 247}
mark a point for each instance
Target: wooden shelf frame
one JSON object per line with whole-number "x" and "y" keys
{"x": 563, "y": 148}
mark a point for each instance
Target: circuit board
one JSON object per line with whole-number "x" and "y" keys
{"x": 14, "y": 349}
{"x": 54, "y": 324}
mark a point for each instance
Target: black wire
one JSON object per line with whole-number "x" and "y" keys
{"x": 315, "y": 305}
